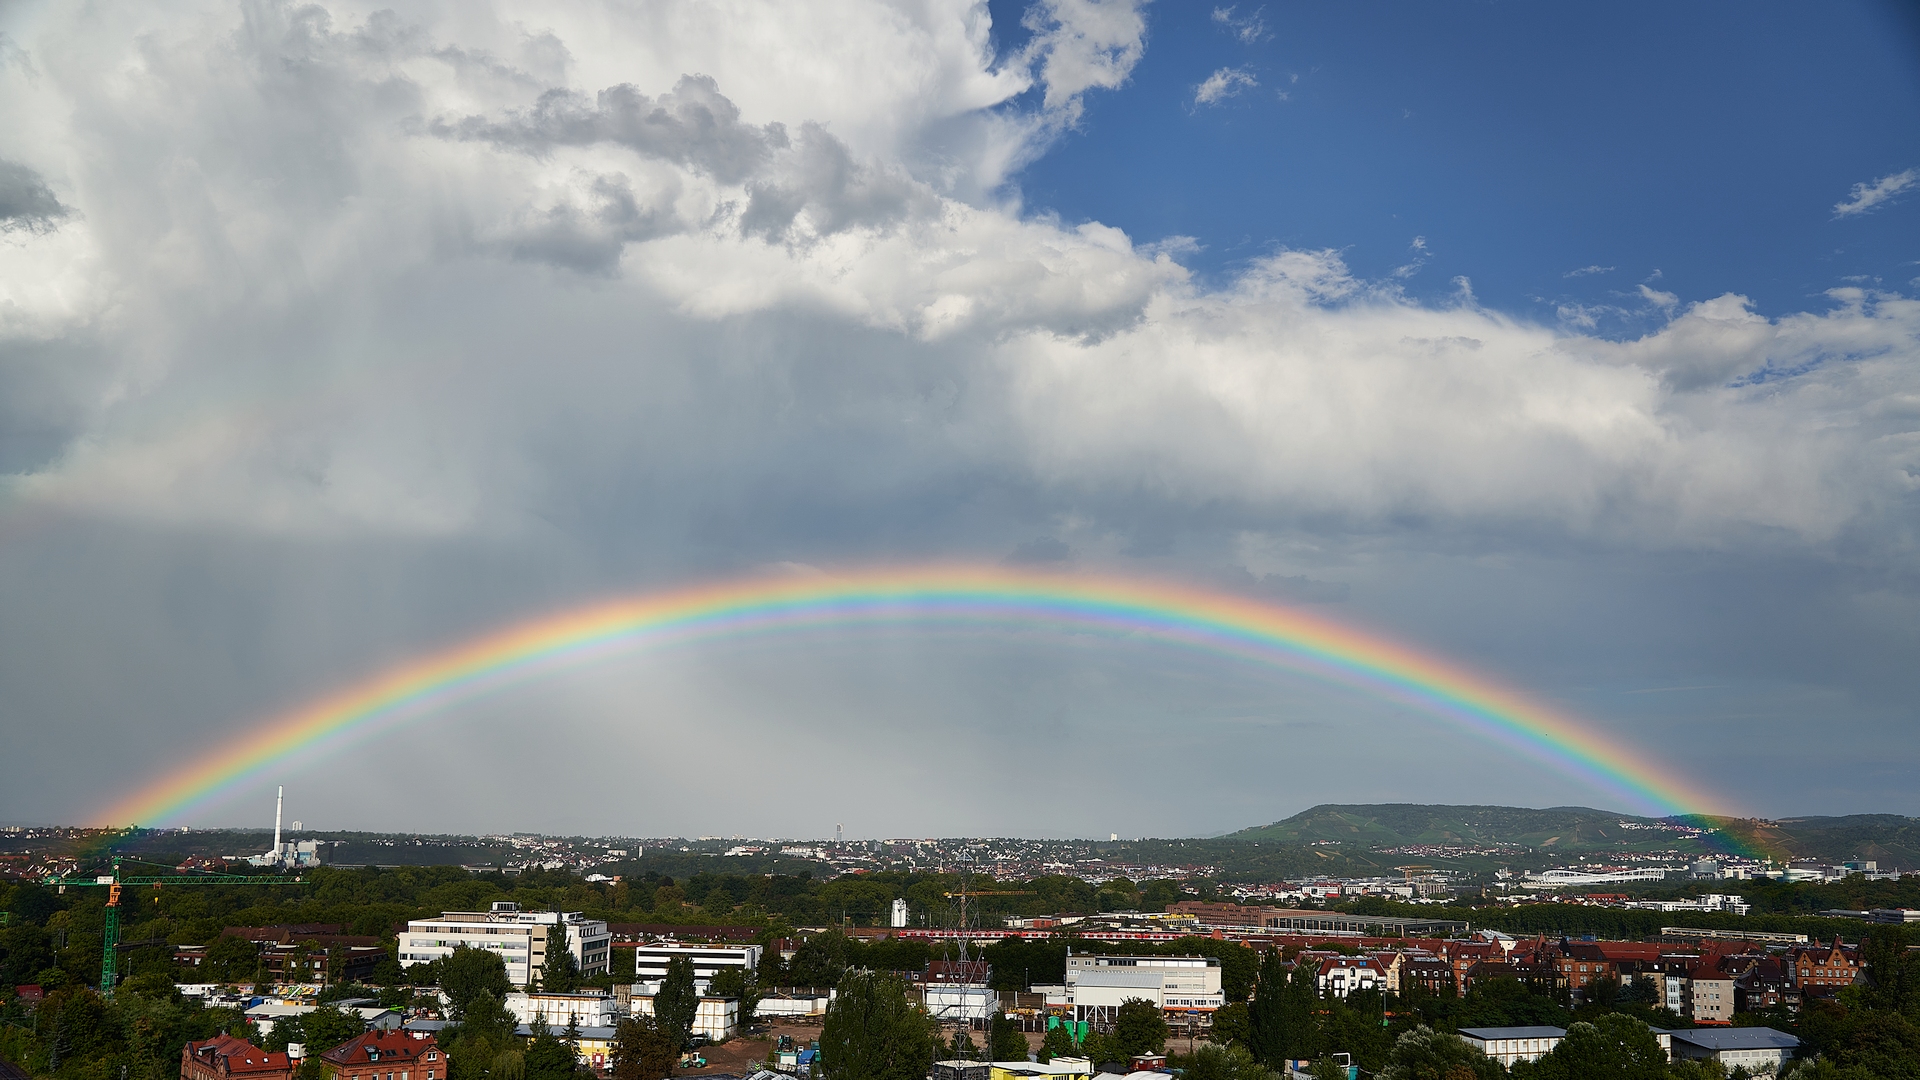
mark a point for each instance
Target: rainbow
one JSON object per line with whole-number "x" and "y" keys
{"x": 988, "y": 597}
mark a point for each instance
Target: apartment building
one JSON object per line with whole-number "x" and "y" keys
{"x": 1711, "y": 1001}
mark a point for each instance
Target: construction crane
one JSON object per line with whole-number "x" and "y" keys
{"x": 110, "y": 955}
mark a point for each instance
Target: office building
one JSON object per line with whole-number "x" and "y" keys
{"x": 521, "y": 938}
{"x": 1096, "y": 985}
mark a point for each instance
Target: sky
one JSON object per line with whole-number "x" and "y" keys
{"x": 1578, "y": 347}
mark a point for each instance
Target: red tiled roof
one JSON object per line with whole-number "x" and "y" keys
{"x": 241, "y": 1057}
{"x": 380, "y": 1046}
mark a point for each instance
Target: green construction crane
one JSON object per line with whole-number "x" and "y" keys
{"x": 110, "y": 955}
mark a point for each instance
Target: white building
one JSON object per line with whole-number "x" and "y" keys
{"x": 1735, "y": 905}
{"x": 899, "y": 912}
{"x": 955, "y": 1002}
{"x": 716, "y": 1018}
{"x": 521, "y": 938}
{"x": 1563, "y": 879}
{"x": 1510, "y": 1044}
{"x": 1096, "y": 985}
{"x": 1341, "y": 976}
{"x": 1759, "y": 1049}
{"x": 264, "y": 1015}
{"x": 650, "y": 961}
{"x": 587, "y": 1010}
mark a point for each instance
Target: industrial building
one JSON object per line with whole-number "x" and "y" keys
{"x": 521, "y": 938}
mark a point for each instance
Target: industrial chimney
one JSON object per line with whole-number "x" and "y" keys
{"x": 279, "y": 799}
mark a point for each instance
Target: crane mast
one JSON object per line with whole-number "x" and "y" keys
{"x": 115, "y": 881}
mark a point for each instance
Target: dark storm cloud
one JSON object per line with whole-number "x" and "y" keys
{"x": 26, "y": 202}
{"x": 693, "y": 125}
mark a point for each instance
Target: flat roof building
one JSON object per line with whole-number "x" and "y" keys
{"x": 1758, "y": 1048}
{"x": 1510, "y": 1044}
{"x": 650, "y": 961}
{"x": 521, "y": 938}
{"x": 1097, "y": 985}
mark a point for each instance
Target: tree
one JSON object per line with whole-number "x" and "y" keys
{"x": 1614, "y": 1045}
{"x": 1101, "y": 1049}
{"x": 1139, "y": 1028}
{"x": 641, "y": 1051}
{"x": 1892, "y": 971}
{"x": 1057, "y": 1043}
{"x": 1005, "y": 1040}
{"x": 1232, "y": 1025}
{"x": 320, "y": 1030}
{"x": 231, "y": 958}
{"x": 676, "y": 1005}
{"x": 560, "y": 974}
{"x": 733, "y": 983}
{"x": 1280, "y": 1018}
{"x": 872, "y": 1032}
{"x": 486, "y": 1017}
{"x": 547, "y": 1058}
{"x": 1215, "y": 1062}
{"x": 1426, "y": 1054}
{"x": 772, "y": 970}
{"x": 1267, "y": 1034}
{"x": 469, "y": 973}
{"x": 961, "y": 1048}
{"x": 820, "y": 960}
{"x": 1507, "y": 1002}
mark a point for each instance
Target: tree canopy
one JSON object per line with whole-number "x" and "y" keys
{"x": 676, "y": 1005}
{"x": 872, "y": 1032}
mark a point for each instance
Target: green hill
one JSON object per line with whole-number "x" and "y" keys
{"x": 1559, "y": 828}
{"x": 1889, "y": 839}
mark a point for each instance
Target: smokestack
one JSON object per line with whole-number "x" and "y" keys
{"x": 280, "y": 797}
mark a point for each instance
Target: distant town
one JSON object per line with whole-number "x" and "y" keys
{"x": 1524, "y": 943}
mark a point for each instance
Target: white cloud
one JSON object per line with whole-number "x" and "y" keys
{"x": 611, "y": 296}
{"x": 1082, "y": 45}
{"x": 342, "y": 340}
{"x": 1250, "y": 29}
{"x": 1865, "y": 197}
{"x": 1222, "y": 84}
{"x": 1588, "y": 271}
{"x": 1658, "y": 298}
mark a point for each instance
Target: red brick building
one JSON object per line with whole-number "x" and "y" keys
{"x": 385, "y": 1055}
{"x": 1822, "y": 970}
{"x": 224, "y": 1057}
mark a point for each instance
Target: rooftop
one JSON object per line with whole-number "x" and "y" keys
{"x": 1739, "y": 1038}
{"x": 1491, "y": 1033}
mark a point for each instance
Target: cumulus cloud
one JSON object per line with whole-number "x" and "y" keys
{"x": 1082, "y": 45}
{"x": 1221, "y": 85}
{"x": 1868, "y": 196}
{"x": 631, "y": 299}
{"x": 691, "y": 125}
{"x": 1588, "y": 271}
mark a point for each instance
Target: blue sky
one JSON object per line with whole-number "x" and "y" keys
{"x": 1707, "y": 142}
{"x": 333, "y": 333}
